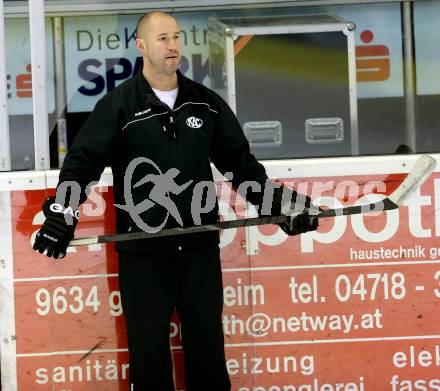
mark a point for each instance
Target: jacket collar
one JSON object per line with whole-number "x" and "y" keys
{"x": 146, "y": 90}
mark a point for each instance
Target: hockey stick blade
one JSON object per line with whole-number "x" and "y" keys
{"x": 421, "y": 170}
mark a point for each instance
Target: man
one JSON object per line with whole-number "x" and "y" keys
{"x": 165, "y": 123}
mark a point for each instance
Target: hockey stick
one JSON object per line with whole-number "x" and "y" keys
{"x": 421, "y": 170}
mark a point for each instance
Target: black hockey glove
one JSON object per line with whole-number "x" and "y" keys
{"x": 304, "y": 222}
{"x": 57, "y": 230}
{"x": 302, "y": 215}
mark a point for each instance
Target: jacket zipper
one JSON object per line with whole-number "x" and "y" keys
{"x": 172, "y": 139}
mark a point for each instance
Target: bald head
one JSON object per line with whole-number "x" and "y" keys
{"x": 150, "y": 20}
{"x": 158, "y": 40}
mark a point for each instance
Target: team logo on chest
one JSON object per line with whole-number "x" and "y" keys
{"x": 194, "y": 122}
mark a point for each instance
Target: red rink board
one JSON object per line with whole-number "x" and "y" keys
{"x": 351, "y": 307}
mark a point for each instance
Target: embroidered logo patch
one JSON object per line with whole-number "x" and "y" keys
{"x": 194, "y": 122}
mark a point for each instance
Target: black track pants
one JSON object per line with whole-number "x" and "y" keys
{"x": 153, "y": 284}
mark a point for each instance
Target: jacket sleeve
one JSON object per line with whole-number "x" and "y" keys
{"x": 231, "y": 153}
{"x": 90, "y": 152}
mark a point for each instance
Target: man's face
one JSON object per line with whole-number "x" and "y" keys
{"x": 161, "y": 39}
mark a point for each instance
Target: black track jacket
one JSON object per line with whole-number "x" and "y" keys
{"x": 131, "y": 122}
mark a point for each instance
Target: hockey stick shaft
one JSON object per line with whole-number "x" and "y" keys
{"x": 240, "y": 223}
{"x": 421, "y": 170}
{"x": 180, "y": 230}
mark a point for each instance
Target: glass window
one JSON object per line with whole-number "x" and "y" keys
{"x": 19, "y": 83}
{"x": 427, "y": 42}
{"x": 292, "y": 91}
{"x": 19, "y": 92}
